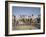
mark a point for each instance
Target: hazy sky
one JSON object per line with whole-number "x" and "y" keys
{"x": 16, "y": 10}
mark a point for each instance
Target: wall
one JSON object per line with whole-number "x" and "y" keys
{"x": 2, "y": 18}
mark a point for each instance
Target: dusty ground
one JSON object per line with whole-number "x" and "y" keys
{"x": 25, "y": 27}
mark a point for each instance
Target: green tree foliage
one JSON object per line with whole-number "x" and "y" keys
{"x": 38, "y": 19}
{"x": 25, "y": 20}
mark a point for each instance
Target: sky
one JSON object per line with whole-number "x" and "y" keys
{"x": 16, "y": 11}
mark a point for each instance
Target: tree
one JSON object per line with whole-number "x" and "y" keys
{"x": 30, "y": 20}
{"x": 38, "y": 19}
{"x": 23, "y": 19}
